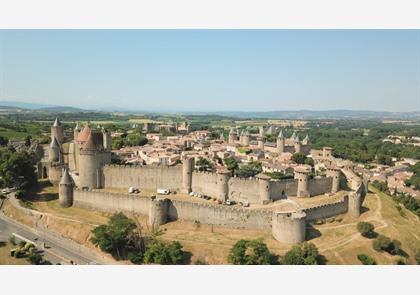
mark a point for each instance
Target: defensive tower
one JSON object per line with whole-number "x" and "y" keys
{"x": 302, "y": 176}
{"x": 65, "y": 190}
{"x": 57, "y": 131}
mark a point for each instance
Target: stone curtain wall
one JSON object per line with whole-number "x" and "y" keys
{"x": 319, "y": 186}
{"x": 110, "y": 202}
{"x": 244, "y": 189}
{"x": 327, "y": 210}
{"x": 204, "y": 213}
{"x": 205, "y": 183}
{"x": 286, "y": 186}
{"x": 143, "y": 177}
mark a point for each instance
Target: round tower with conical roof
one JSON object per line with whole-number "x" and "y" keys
{"x": 297, "y": 144}
{"x": 245, "y": 140}
{"x": 280, "y": 142}
{"x": 54, "y": 151}
{"x": 65, "y": 190}
{"x": 232, "y": 136}
{"x": 90, "y": 164}
{"x": 57, "y": 131}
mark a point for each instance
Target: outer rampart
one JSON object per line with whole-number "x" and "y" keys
{"x": 204, "y": 213}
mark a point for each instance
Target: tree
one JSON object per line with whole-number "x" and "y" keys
{"x": 135, "y": 140}
{"x": 299, "y": 158}
{"x": 203, "y": 164}
{"x": 366, "y": 260}
{"x": 17, "y": 169}
{"x": 309, "y": 161}
{"x": 117, "y": 143}
{"x": 249, "y": 170}
{"x": 302, "y": 254}
{"x": 366, "y": 229}
{"x": 251, "y": 252}
{"x": 159, "y": 253}
{"x": 231, "y": 163}
{"x": 383, "y": 243}
{"x": 116, "y": 236}
{"x": 3, "y": 141}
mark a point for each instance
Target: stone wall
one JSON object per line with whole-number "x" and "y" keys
{"x": 327, "y": 210}
{"x": 242, "y": 189}
{"x": 143, "y": 177}
{"x": 319, "y": 186}
{"x": 205, "y": 183}
{"x": 283, "y": 186}
{"x": 204, "y": 213}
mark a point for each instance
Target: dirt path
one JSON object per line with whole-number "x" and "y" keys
{"x": 377, "y": 216}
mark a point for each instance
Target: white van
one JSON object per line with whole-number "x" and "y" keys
{"x": 162, "y": 191}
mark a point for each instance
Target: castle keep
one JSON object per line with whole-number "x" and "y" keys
{"x": 83, "y": 171}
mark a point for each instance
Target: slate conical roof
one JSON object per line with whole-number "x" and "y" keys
{"x": 296, "y": 138}
{"x": 280, "y": 135}
{"x": 54, "y": 143}
{"x": 77, "y": 128}
{"x": 56, "y": 122}
{"x": 306, "y": 139}
{"x": 293, "y": 135}
{"x": 66, "y": 178}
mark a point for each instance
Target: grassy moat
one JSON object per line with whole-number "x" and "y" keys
{"x": 336, "y": 238}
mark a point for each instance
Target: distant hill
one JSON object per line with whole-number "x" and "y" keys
{"x": 307, "y": 114}
{"x": 58, "y": 109}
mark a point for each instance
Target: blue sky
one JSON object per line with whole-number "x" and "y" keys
{"x": 213, "y": 70}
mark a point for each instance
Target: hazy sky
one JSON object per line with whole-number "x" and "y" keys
{"x": 213, "y": 70}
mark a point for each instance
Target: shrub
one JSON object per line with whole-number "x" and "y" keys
{"x": 366, "y": 229}
{"x": 366, "y": 260}
{"x": 383, "y": 243}
{"x": 135, "y": 257}
{"x": 251, "y": 252}
{"x": 35, "y": 258}
{"x": 302, "y": 254}
{"x": 159, "y": 253}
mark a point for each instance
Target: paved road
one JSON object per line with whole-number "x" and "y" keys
{"x": 57, "y": 249}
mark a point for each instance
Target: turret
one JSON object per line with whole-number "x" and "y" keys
{"x": 223, "y": 185}
{"x": 293, "y": 136}
{"x": 270, "y": 130}
{"x": 158, "y": 212}
{"x": 297, "y": 145}
{"x": 305, "y": 141}
{"x": 302, "y": 176}
{"x": 334, "y": 172}
{"x": 187, "y": 171}
{"x": 260, "y": 141}
{"x": 289, "y": 227}
{"x": 232, "y": 136}
{"x": 355, "y": 204}
{"x": 280, "y": 142}
{"x": 57, "y": 131}
{"x": 261, "y": 131}
{"x": 264, "y": 188}
{"x": 65, "y": 190}
{"x": 245, "y": 140}
{"x": 54, "y": 151}
{"x": 107, "y": 140}
{"x": 90, "y": 165}
{"x": 77, "y": 130}
{"x": 326, "y": 151}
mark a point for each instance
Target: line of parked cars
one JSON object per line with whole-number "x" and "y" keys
{"x": 228, "y": 202}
